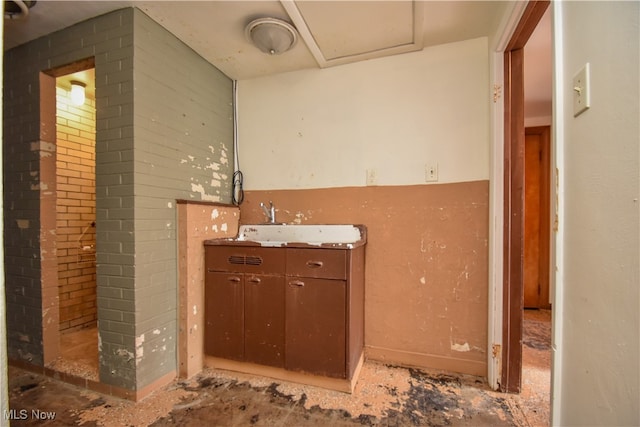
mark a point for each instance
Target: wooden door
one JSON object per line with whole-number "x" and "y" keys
{"x": 536, "y": 218}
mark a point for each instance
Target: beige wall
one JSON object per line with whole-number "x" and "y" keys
{"x": 197, "y": 222}
{"x": 307, "y": 140}
{"x": 426, "y": 265}
{"x": 76, "y": 211}
{"x": 597, "y": 327}
{"x": 326, "y": 128}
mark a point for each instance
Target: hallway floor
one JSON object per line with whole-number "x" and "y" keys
{"x": 385, "y": 395}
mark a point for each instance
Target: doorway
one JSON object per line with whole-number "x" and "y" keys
{"x": 516, "y": 242}
{"x": 75, "y": 220}
{"x": 537, "y": 182}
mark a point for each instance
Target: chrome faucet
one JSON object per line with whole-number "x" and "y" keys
{"x": 269, "y": 212}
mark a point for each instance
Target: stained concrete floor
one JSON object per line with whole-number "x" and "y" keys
{"x": 384, "y": 396}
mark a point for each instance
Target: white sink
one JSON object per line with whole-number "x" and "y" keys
{"x": 279, "y": 235}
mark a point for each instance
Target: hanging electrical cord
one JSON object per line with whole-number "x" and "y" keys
{"x": 238, "y": 192}
{"x": 237, "y": 195}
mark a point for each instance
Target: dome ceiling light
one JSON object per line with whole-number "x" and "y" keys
{"x": 16, "y": 9}
{"x": 271, "y": 35}
{"x": 77, "y": 92}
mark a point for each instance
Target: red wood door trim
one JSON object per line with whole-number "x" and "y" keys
{"x": 514, "y": 197}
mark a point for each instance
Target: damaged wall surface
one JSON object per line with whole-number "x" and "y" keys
{"x": 183, "y": 133}
{"x": 175, "y": 144}
{"x": 426, "y": 265}
{"x": 351, "y": 144}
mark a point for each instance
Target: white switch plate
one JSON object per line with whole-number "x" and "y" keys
{"x": 431, "y": 172}
{"x": 581, "y": 91}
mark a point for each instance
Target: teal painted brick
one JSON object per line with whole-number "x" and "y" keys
{"x": 119, "y": 304}
{"x": 113, "y": 338}
{"x": 116, "y": 282}
{"x": 140, "y": 170}
{"x": 124, "y": 328}
{"x": 107, "y": 314}
{"x": 110, "y": 292}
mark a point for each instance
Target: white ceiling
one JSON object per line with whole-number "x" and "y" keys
{"x": 332, "y": 32}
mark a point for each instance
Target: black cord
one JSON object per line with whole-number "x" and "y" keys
{"x": 238, "y": 192}
{"x": 237, "y": 196}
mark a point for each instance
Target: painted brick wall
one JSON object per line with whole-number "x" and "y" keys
{"x": 29, "y": 141}
{"x": 76, "y": 211}
{"x": 175, "y": 144}
{"x": 183, "y": 140}
{"x": 29, "y": 173}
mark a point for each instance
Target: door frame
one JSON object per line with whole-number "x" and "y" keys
{"x": 513, "y": 197}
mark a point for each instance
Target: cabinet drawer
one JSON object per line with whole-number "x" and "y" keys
{"x": 245, "y": 259}
{"x": 321, "y": 263}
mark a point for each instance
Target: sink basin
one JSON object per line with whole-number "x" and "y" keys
{"x": 281, "y": 235}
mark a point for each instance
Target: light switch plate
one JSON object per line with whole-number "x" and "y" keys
{"x": 581, "y": 91}
{"x": 431, "y": 172}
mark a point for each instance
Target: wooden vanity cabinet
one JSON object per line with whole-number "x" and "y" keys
{"x": 244, "y": 304}
{"x": 297, "y": 308}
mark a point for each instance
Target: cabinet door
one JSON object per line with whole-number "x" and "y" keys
{"x": 224, "y": 315}
{"x": 264, "y": 319}
{"x": 315, "y": 336}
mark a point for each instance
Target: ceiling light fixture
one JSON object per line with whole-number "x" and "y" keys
{"x": 17, "y": 9}
{"x": 77, "y": 92}
{"x": 271, "y": 35}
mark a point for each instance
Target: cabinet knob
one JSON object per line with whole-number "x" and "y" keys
{"x": 315, "y": 264}
{"x": 255, "y": 280}
{"x": 298, "y": 283}
{"x": 234, "y": 279}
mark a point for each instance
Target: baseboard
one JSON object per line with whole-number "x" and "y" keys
{"x": 110, "y": 390}
{"x": 337, "y": 384}
{"x": 426, "y": 361}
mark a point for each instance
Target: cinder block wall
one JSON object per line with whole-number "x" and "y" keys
{"x": 76, "y": 211}
{"x": 183, "y": 150}
{"x": 175, "y": 144}
{"x": 27, "y": 140}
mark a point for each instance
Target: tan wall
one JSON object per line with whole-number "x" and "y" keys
{"x": 76, "y": 211}
{"x": 426, "y": 265}
{"x": 197, "y": 222}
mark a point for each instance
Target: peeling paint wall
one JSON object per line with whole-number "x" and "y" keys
{"x": 175, "y": 144}
{"x": 426, "y": 265}
{"x": 350, "y": 144}
{"x": 197, "y": 222}
{"x": 375, "y": 122}
{"x": 183, "y": 131}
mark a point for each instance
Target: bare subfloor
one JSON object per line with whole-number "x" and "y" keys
{"x": 384, "y": 396}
